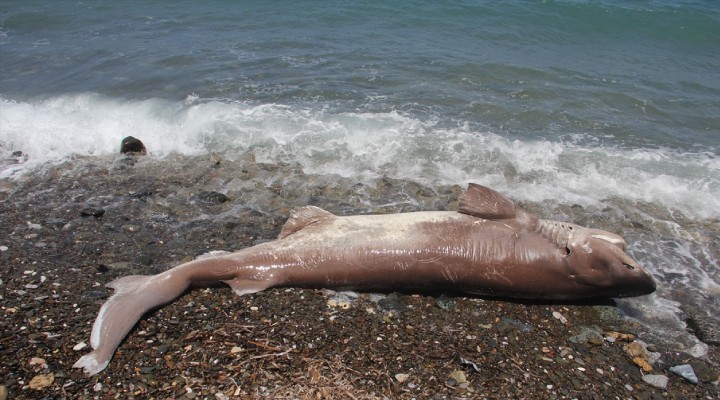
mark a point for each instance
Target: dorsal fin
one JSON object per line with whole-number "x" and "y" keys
{"x": 302, "y": 217}
{"x": 483, "y": 202}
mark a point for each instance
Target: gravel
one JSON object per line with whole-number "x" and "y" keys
{"x": 70, "y": 228}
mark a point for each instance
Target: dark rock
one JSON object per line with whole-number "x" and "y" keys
{"x": 391, "y": 303}
{"x": 703, "y": 325}
{"x": 212, "y": 197}
{"x": 92, "y": 211}
{"x": 56, "y": 222}
{"x": 231, "y": 223}
{"x": 147, "y": 370}
{"x": 132, "y": 146}
{"x": 141, "y": 195}
{"x": 704, "y": 372}
{"x": 144, "y": 259}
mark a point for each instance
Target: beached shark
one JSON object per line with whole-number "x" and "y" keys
{"x": 489, "y": 247}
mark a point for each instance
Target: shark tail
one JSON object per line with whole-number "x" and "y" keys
{"x": 137, "y": 294}
{"x": 134, "y": 296}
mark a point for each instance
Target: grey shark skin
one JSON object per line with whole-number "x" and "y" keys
{"x": 489, "y": 247}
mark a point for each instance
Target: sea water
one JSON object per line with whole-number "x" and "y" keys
{"x": 602, "y": 104}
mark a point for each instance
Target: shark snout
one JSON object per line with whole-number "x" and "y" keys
{"x": 633, "y": 278}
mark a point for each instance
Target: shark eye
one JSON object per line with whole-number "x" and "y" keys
{"x": 628, "y": 266}
{"x": 568, "y": 251}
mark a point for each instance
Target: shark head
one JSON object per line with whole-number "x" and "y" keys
{"x": 598, "y": 259}
{"x": 594, "y": 260}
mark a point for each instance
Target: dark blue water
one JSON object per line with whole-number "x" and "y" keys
{"x": 603, "y": 104}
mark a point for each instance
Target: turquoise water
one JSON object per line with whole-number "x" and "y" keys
{"x": 598, "y": 103}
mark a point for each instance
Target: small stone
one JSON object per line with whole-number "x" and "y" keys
{"x": 130, "y": 228}
{"x": 595, "y": 341}
{"x": 147, "y": 370}
{"x": 619, "y": 336}
{"x": 42, "y": 381}
{"x": 80, "y": 346}
{"x": 402, "y": 377}
{"x": 97, "y": 387}
{"x": 392, "y": 302}
{"x": 458, "y": 376}
{"x": 56, "y": 223}
{"x": 37, "y": 361}
{"x": 699, "y": 350}
{"x": 658, "y": 381}
{"x": 559, "y": 317}
{"x": 236, "y": 349}
{"x": 635, "y": 349}
{"x": 332, "y": 303}
{"x": 3, "y": 392}
{"x": 640, "y": 362}
{"x": 4, "y": 248}
{"x": 92, "y": 211}
{"x": 686, "y": 372}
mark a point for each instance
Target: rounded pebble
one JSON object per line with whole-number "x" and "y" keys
{"x": 658, "y": 381}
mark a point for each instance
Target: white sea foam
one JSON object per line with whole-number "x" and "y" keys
{"x": 361, "y": 145}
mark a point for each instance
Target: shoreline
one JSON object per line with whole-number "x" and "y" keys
{"x": 73, "y": 227}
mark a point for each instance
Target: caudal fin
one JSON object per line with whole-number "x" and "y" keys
{"x": 134, "y": 296}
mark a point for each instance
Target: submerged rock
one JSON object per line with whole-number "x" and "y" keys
{"x": 704, "y": 372}
{"x": 212, "y": 197}
{"x": 586, "y": 334}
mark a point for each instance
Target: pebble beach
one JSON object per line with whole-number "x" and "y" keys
{"x": 68, "y": 230}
